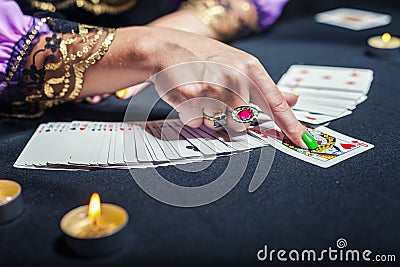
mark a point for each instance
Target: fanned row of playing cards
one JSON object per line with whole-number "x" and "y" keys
{"x": 94, "y": 145}
{"x": 326, "y": 93}
{"x": 353, "y": 19}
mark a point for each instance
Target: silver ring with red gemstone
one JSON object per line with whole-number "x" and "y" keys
{"x": 244, "y": 114}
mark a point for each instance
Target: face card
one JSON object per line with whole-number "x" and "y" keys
{"x": 333, "y": 147}
{"x": 333, "y": 78}
{"x": 353, "y": 19}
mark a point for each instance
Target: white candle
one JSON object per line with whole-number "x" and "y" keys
{"x": 90, "y": 227}
{"x": 10, "y": 200}
{"x": 385, "y": 45}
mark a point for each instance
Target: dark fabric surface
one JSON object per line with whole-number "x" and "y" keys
{"x": 299, "y": 205}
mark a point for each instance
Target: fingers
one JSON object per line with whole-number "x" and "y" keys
{"x": 190, "y": 113}
{"x": 272, "y": 101}
{"x": 194, "y": 100}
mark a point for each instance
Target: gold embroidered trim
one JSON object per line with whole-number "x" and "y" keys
{"x": 97, "y": 7}
{"x": 65, "y": 66}
{"x": 80, "y": 67}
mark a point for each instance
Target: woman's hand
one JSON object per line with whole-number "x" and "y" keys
{"x": 139, "y": 52}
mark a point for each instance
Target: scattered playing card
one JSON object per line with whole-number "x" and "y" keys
{"x": 333, "y": 147}
{"x": 312, "y": 118}
{"x": 325, "y": 93}
{"x": 353, "y": 19}
{"x": 328, "y": 78}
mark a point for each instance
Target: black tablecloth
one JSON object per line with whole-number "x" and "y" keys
{"x": 299, "y": 205}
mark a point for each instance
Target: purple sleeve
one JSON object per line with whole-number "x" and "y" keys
{"x": 13, "y": 26}
{"x": 268, "y": 11}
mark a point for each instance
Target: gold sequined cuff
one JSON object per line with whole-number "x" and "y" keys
{"x": 97, "y": 7}
{"x": 228, "y": 19}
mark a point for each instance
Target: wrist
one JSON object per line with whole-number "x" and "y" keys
{"x": 140, "y": 48}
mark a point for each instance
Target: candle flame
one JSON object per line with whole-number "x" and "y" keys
{"x": 94, "y": 209}
{"x": 386, "y": 37}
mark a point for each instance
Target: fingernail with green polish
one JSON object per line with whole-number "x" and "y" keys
{"x": 309, "y": 140}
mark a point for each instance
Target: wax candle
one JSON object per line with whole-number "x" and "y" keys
{"x": 95, "y": 229}
{"x": 384, "y": 46}
{"x": 10, "y": 200}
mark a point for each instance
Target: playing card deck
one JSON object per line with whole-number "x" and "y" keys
{"x": 353, "y": 19}
{"x": 95, "y": 145}
{"x": 326, "y": 93}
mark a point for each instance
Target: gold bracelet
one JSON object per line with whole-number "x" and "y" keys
{"x": 97, "y": 7}
{"x": 225, "y": 23}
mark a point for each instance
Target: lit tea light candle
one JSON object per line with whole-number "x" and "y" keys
{"x": 385, "y": 45}
{"x": 95, "y": 229}
{"x": 10, "y": 200}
